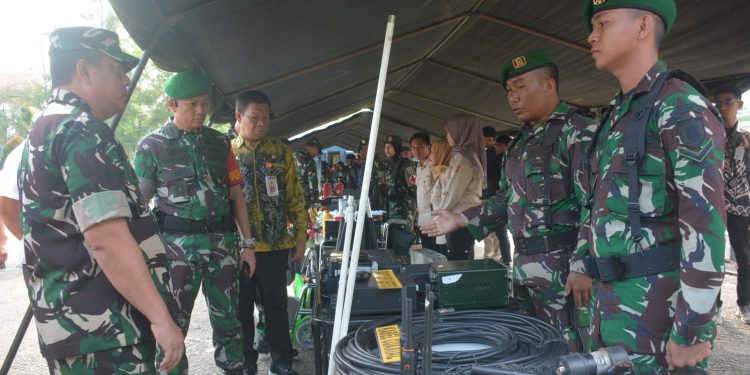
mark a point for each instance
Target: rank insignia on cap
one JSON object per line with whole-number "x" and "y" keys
{"x": 519, "y": 62}
{"x": 390, "y": 139}
{"x": 599, "y": 2}
{"x": 523, "y": 63}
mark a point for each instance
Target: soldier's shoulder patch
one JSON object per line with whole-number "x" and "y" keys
{"x": 692, "y": 132}
{"x": 413, "y": 180}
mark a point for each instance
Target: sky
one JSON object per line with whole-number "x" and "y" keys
{"x": 25, "y": 26}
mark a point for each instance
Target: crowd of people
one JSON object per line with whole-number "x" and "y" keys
{"x": 618, "y": 219}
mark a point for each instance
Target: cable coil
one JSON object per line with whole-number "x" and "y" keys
{"x": 515, "y": 342}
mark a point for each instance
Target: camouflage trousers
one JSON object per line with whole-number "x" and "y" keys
{"x": 209, "y": 260}
{"x": 133, "y": 359}
{"x": 539, "y": 283}
{"x": 620, "y": 318}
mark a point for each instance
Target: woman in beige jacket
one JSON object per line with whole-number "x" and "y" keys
{"x": 460, "y": 186}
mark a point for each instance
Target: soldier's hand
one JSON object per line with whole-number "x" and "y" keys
{"x": 170, "y": 339}
{"x": 686, "y": 356}
{"x": 444, "y": 222}
{"x": 299, "y": 253}
{"x": 247, "y": 257}
{"x": 581, "y": 286}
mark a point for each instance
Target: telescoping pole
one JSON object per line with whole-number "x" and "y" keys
{"x": 362, "y": 211}
{"x": 344, "y": 272}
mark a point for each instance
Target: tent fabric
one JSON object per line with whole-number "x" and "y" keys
{"x": 319, "y": 60}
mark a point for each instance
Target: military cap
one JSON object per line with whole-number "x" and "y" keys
{"x": 666, "y": 9}
{"x": 188, "y": 84}
{"x": 393, "y": 139}
{"x": 80, "y": 38}
{"x": 525, "y": 63}
{"x": 314, "y": 143}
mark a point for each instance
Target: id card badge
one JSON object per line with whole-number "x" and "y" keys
{"x": 739, "y": 153}
{"x": 272, "y": 186}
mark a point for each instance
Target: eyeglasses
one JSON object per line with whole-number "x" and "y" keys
{"x": 725, "y": 103}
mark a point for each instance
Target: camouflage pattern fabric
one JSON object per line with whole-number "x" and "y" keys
{"x": 401, "y": 187}
{"x": 129, "y": 360}
{"x": 189, "y": 170}
{"x": 191, "y": 178}
{"x": 271, "y": 160}
{"x": 681, "y": 200}
{"x": 378, "y": 188}
{"x": 308, "y": 176}
{"x": 540, "y": 277}
{"x": 73, "y": 175}
{"x": 736, "y": 178}
{"x": 217, "y": 271}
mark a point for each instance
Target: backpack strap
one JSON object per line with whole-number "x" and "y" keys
{"x": 635, "y": 143}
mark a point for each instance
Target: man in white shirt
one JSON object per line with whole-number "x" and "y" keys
{"x": 9, "y": 205}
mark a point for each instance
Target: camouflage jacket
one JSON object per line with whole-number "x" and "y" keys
{"x": 308, "y": 176}
{"x": 75, "y": 174}
{"x": 518, "y": 202}
{"x": 681, "y": 201}
{"x": 378, "y": 189}
{"x": 272, "y": 192}
{"x": 737, "y": 172}
{"x": 188, "y": 169}
{"x": 401, "y": 187}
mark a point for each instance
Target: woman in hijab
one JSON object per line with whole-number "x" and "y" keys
{"x": 460, "y": 186}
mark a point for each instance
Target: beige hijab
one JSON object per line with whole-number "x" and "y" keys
{"x": 441, "y": 154}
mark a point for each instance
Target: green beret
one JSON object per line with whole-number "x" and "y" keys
{"x": 313, "y": 142}
{"x": 189, "y": 84}
{"x": 525, "y": 63}
{"x": 68, "y": 39}
{"x": 392, "y": 139}
{"x": 666, "y": 9}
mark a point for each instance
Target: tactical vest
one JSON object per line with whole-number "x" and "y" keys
{"x": 550, "y": 142}
{"x": 182, "y": 177}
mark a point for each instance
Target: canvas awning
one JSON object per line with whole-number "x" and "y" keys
{"x": 319, "y": 60}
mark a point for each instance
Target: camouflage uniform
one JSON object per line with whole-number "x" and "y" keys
{"x": 401, "y": 185}
{"x": 540, "y": 277}
{"x": 74, "y": 174}
{"x": 378, "y": 185}
{"x": 190, "y": 173}
{"x": 681, "y": 203}
{"x": 308, "y": 176}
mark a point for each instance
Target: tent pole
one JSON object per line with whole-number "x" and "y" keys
{"x": 137, "y": 74}
{"x": 133, "y": 83}
{"x": 363, "y": 197}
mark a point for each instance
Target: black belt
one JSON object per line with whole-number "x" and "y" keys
{"x": 169, "y": 223}
{"x": 653, "y": 261}
{"x": 546, "y": 244}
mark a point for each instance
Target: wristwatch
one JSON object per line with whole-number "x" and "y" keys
{"x": 247, "y": 243}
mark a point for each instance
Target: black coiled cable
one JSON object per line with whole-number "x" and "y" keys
{"x": 516, "y": 342}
